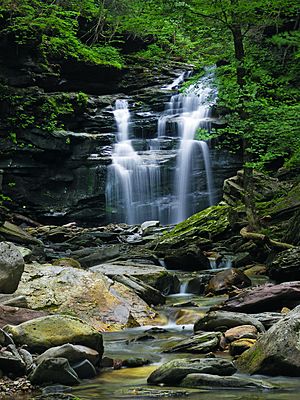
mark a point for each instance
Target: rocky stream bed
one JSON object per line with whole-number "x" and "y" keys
{"x": 205, "y": 309}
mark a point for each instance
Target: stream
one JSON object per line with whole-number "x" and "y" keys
{"x": 131, "y": 383}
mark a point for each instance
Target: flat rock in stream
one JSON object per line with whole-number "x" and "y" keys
{"x": 174, "y": 371}
{"x": 234, "y": 382}
{"x": 223, "y": 320}
{"x": 201, "y": 343}
{"x": 266, "y": 297}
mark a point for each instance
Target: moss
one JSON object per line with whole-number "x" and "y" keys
{"x": 208, "y": 223}
{"x": 251, "y": 359}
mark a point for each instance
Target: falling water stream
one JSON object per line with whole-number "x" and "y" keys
{"x": 136, "y": 188}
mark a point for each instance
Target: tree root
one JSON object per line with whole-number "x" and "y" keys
{"x": 264, "y": 239}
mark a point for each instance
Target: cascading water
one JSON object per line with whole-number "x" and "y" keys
{"x": 132, "y": 183}
{"x": 138, "y": 186}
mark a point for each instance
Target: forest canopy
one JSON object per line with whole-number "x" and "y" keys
{"x": 255, "y": 45}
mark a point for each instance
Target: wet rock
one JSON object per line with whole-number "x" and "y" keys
{"x": 223, "y": 320}
{"x": 54, "y": 370}
{"x": 54, "y": 330}
{"x": 152, "y": 275}
{"x": 268, "y": 318}
{"x": 266, "y": 297}
{"x": 198, "y": 229}
{"x": 147, "y": 225}
{"x": 237, "y": 347}
{"x": 11, "y": 267}
{"x": 16, "y": 315}
{"x": 241, "y": 332}
{"x": 200, "y": 380}
{"x": 174, "y": 371}
{"x": 189, "y": 258}
{"x": 17, "y": 235}
{"x": 225, "y": 281}
{"x": 150, "y": 295}
{"x": 135, "y": 362}
{"x": 277, "y": 351}
{"x": 27, "y": 358}
{"x": 12, "y": 362}
{"x": 13, "y": 301}
{"x": 91, "y": 296}
{"x": 84, "y": 369}
{"x": 286, "y": 266}
{"x": 201, "y": 343}
{"x": 90, "y": 257}
{"x": 73, "y": 353}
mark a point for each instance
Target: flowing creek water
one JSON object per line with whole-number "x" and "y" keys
{"x": 131, "y": 383}
{"x": 140, "y": 185}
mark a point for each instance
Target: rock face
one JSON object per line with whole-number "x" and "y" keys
{"x": 11, "y": 267}
{"x": 265, "y": 298}
{"x": 286, "y": 266}
{"x": 174, "y": 371}
{"x": 277, "y": 351}
{"x": 90, "y": 296}
{"x": 188, "y": 258}
{"x": 226, "y": 280}
{"x": 42, "y": 333}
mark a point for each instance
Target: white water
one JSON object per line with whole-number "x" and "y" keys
{"x": 138, "y": 188}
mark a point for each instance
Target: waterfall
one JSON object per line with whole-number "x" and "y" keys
{"x": 132, "y": 182}
{"x": 140, "y": 186}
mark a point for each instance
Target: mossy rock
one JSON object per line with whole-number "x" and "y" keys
{"x": 200, "y": 227}
{"x": 54, "y": 330}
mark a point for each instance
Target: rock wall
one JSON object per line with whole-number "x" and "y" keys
{"x": 55, "y": 165}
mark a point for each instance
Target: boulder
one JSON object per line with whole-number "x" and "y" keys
{"x": 286, "y": 266}
{"x": 85, "y": 369}
{"x": 199, "y": 228}
{"x": 234, "y": 382}
{"x": 277, "y": 351}
{"x": 73, "y": 353}
{"x": 152, "y": 275}
{"x": 11, "y": 361}
{"x": 225, "y": 281}
{"x": 54, "y": 330}
{"x": 266, "y": 297}
{"x": 223, "y": 320}
{"x": 16, "y": 234}
{"x": 241, "y": 332}
{"x": 174, "y": 371}
{"x": 237, "y": 347}
{"x": 149, "y": 294}
{"x": 16, "y": 315}
{"x": 188, "y": 258}
{"x": 90, "y": 296}
{"x": 54, "y": 370}
{"x": 11, "y": 267}
{"x": 201, "y": 343}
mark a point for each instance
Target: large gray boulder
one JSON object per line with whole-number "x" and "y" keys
{"x": 277, "y": 352}
{"x": 174, "y": 371}
{"x": 73, "y": 353}
{"x": 11, "y": 267}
